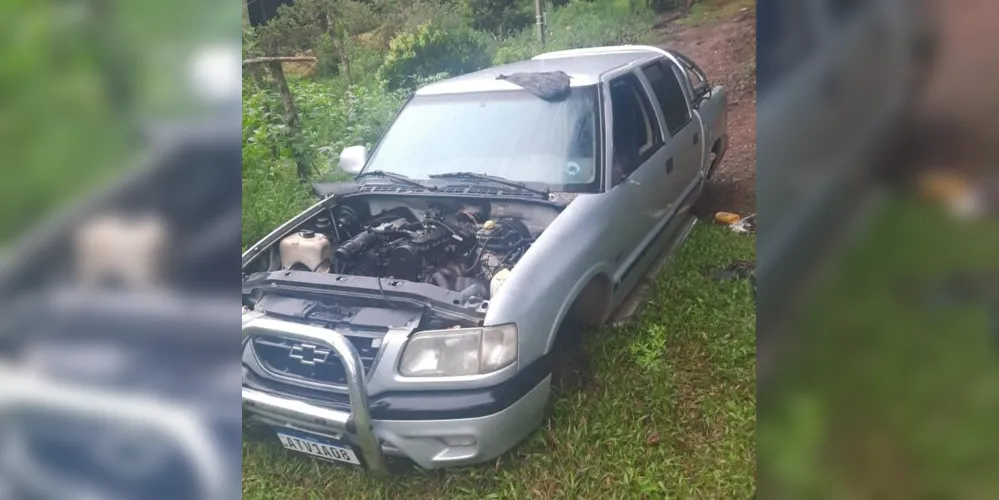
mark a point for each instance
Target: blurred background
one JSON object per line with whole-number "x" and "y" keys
{"x": 119, "y": 249}
{"x": 878, "y": 312}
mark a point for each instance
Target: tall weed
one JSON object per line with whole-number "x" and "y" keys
{"x": 271, "y": 190}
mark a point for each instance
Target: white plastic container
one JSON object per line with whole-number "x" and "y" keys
{"x": 117, "y": 247}
{"x": 307, "y": 249}
{"x": 497, "y": 282}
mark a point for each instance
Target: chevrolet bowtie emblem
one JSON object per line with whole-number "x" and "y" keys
{"x": 308, "y": 354}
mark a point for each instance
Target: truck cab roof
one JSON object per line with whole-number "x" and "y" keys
{"x": 584, "y": 67}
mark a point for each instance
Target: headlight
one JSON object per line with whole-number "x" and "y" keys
{"x": 467, "y": 351}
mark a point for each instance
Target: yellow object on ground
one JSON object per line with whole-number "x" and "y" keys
{"x": 943, "y": 187}
{"x": 952, "y": 190}
{"x": 727, "y": 217}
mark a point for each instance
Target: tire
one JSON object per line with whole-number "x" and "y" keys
{"x": 719, "y": 156}
{"x": 569, "y": 360}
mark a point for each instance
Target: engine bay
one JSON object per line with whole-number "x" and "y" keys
{"x": 466, "y": 248}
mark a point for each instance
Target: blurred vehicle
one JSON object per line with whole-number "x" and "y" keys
{"x": 835, "y": 79}
{"x": 116, "y": 373}
{"x": 413, "y": 312}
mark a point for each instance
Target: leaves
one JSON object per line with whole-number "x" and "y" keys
{"x": 429, "y": 50}
{"x": 500, "y": 16}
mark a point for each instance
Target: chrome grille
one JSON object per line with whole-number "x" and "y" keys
{"x": 308, "y": 362}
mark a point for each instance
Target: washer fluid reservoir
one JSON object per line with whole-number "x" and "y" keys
{"x": 307, "y": 249}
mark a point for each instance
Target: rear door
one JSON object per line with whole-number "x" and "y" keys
{"x": 710, "y": 106}
{"x": 684, "y": 141}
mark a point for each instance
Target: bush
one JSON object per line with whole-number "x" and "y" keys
{"x": 331, "y": 116}
{"x": 402, "y": 16}
{"x": 429, "y": 50}
{"x": 272, "y": 193}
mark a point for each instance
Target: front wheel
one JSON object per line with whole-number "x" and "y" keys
{"x": 570, "y": 362}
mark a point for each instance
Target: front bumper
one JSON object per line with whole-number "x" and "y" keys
{"x": 428, "y": 440}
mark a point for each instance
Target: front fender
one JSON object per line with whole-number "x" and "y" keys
{"x": 546, "y": 281}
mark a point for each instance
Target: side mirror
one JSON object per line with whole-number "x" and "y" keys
{"x": 701, "y": 93}
{"x": 352, "y": 159}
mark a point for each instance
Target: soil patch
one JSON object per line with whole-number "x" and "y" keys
{"x": 725, "y": 49}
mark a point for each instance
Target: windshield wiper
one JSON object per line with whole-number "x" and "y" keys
{"x": 396, "y": 177}
{"x": 490, "y": 178}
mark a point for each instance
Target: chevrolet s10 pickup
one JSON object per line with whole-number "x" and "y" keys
{"x": 414, "y": 310}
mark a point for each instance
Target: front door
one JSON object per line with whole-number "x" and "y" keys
{"x": 640, "y": 162}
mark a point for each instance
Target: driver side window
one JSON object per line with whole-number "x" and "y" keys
{"x": 636, "y": 128}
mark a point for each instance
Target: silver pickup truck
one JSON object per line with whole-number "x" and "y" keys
{"x": 413, "y": 311}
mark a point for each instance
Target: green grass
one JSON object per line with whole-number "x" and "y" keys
{"x": 670, "y": 411}
{"x": 890, "y": 389}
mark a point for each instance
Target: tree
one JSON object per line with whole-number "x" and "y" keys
{"x": 498, "y": 16}
{"x": 307, "y": 25}
{"x": 429, "y": 50}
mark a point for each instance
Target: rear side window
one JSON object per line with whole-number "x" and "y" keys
{"x": 636, "y": 128}
{"x": 669, "y": 93}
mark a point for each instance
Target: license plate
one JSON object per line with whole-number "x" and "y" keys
{"x": 316, "y": 445}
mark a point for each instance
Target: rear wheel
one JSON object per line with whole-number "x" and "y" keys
{"x": 716, "y": 156}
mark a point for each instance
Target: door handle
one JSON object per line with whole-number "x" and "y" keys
{"x": 669, "y": 166}
{"x": 697, "y": 137}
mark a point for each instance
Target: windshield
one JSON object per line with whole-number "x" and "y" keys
{"x": 513, "y": 135}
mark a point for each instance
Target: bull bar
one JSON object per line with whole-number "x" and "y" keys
{"x": 357, "y": 421}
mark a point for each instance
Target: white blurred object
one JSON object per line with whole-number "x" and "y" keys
{"x": 216, "y": 73}
{"x": 131, "y": 250}
{"x": 743, "y": 225}
{"x": 967, "y": 206}
{"x": 954, "y": 191}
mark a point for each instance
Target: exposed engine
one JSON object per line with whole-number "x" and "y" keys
{"x": 459, "y": 250}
